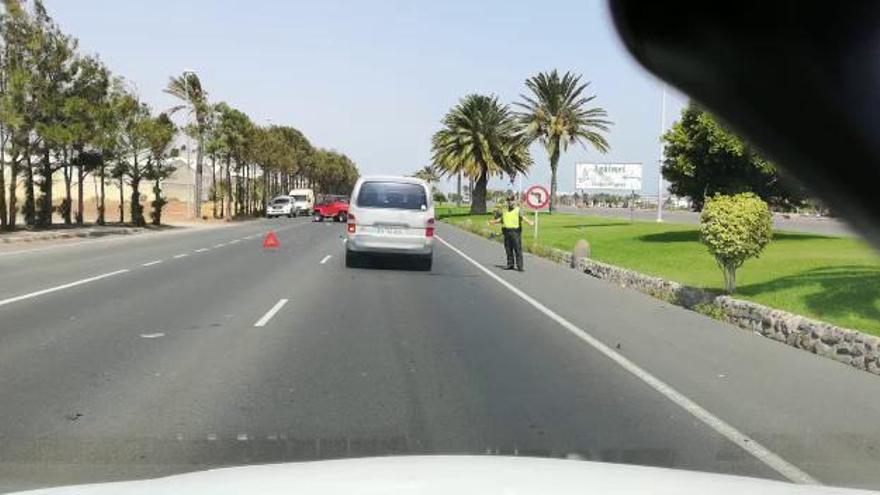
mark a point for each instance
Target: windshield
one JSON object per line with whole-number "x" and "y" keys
{"x": 236, "y": 234}
{"x": 396, "y": 195}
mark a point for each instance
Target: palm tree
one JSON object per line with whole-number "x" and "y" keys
{"x": 480, "y": 137}
{"x": 429, "y": 174}
{"x": 188, "y": 88}
{"x": 557, "y": 115}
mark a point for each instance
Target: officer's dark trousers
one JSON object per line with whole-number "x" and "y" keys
{"x": 513, "y": 246}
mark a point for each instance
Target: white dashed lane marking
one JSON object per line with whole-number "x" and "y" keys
{"x": 151, "y": 263}
{"x": 325, "y": 259}
{"x": 181, "y": 255}
{"x": 269, "y": 314}
{"x": 60, "y": 287}
{"x": 202, "y": 250}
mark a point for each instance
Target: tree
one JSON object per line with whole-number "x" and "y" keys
{"x": 82, "y": 112}
{"x": 53, "y": 55}
{"x": 429, "y": 174}
{"x": 234, "y": 130}
{"x": 703, "y": 158}
{"x": 136, "y": 126}
{"x": 16, "y": 105}
{"x": 160, "y": 137}
{"x": 109, "y": 144}
{"x": 735, "y": 228}
{"x": 188, "y": 88}
{"x": 334, "y": 173}
{"x": 480, "y": 138}
{"x": 557, "y": 115}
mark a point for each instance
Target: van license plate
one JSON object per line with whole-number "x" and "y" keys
{"x": 386, "y": 230}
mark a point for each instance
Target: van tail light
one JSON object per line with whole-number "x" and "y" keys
{"x": 429, "y": 230}
{"x": 351, "y": 226}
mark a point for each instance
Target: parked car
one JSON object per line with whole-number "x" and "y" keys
{"x": 390, "y": 215}
{"x": 332, "y": 207}
{"x": 280, "y": 206}
{"x": 303, "y": 201}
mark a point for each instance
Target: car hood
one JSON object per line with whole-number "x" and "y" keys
{"x": 445, "y": 475}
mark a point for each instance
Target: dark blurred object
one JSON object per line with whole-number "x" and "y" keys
{"x": 798, "y": 79}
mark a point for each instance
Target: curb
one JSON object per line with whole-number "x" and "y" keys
{"x": 845, "y": 345}
{"x": 72, "y": 234}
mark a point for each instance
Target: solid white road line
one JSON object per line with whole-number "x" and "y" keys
{"x": 747, "y": 443}
{"x": 60, "y": 287}
{"x": 151, "y": 263}
{"x": 181, "y": 255}
{"x": 325, "y": 259}
{"x": 269, "y": 314}
{"x": 201, "y": 250}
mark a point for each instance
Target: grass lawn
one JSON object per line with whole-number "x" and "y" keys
{"x": 834, "y": 279}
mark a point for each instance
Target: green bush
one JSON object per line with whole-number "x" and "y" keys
{"x": 735, "y": 228}
{"x": 439, "y": 197}
{"x": 711, "y": 310}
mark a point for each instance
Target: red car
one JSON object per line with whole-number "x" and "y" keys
{"x": 335, "y": 207}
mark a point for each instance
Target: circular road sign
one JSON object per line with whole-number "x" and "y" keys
{"x": 537, "y": 197}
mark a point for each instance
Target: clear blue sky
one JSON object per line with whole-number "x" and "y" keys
{"x": 373, "y": 79}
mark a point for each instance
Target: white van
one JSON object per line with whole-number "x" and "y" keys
{"x": 303, "y": 201}
{"x": 390, "y": 215}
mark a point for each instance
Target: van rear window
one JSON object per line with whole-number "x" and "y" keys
{"x": 397, "y": 195}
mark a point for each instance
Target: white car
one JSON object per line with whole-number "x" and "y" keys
{"x": 390, "y": 215}
{"x": 441, "y": 475}
{"x": 281, "y": 206}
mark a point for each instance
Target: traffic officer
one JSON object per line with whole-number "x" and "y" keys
{"x": 511, "y": 227}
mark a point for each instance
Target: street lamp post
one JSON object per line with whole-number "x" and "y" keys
{"x": 662, "y": 151}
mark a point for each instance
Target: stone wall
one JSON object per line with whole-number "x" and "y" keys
{"x": 841, "y": 344}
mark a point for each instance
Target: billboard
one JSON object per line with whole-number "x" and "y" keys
{"x": 608, "y": 176}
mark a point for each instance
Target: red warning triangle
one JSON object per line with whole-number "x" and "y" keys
{"x": 270, "y": 241}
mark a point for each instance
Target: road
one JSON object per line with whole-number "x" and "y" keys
{"x": 822, "y": 226}
{"x": 173, "y": 352}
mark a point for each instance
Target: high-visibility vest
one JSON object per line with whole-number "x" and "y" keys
{"x": 510, "y": 219}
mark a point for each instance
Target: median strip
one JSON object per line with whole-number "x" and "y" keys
{"x": 269, "y": 314}
{"x": 763, "y": 454}
{"x": 60, "y": 287}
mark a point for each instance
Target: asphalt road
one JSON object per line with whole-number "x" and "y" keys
{"x": 172, "y": 352}
{"x": 795, "y": 223}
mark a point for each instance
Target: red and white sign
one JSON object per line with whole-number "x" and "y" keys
{"x": 537, "y": 197}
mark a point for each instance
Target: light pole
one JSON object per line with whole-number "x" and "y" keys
{"x": 662, "y": 151}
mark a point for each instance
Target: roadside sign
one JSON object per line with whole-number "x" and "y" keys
{"x": 537, "y": 197}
